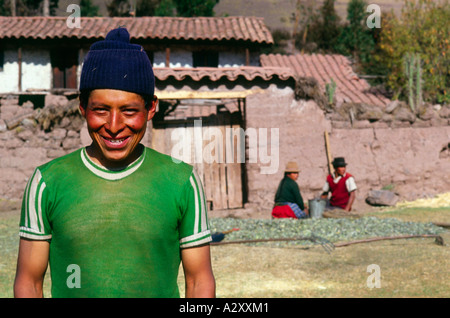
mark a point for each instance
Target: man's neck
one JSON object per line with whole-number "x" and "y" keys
{"x": 99, "y": 159}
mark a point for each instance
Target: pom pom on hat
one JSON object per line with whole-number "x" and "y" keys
{"x": 115, "y": 63}
{"x": 119, "y": 34}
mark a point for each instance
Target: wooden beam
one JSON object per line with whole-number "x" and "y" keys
{"x": 167, "y": 57}
{"x": 247, "y": 57}
{"x": 206, "y": 95}
{"x": 19, "y": 64}
{"x": 328, "y": 151}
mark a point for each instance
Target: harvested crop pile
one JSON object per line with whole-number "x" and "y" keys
{"x": 333, "y": 230}
{"x": 441, "y": 200}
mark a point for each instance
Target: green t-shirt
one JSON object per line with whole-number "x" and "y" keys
{"x": 122, "y": 230}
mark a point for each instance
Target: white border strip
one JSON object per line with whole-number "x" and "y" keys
{"x": 112, "y": 176}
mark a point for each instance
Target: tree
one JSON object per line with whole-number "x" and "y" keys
{"x": 146, "y": 8}
{"x": 180, "y": 8}
{"x": 356, "y": 39}
{"x": 422, "y": 30}
{"x": 327, "y": 29}
{"x": 28, "y": 7}
{"x": 166, "y": 8}
{"x": 118, "y": 8}
{"x": 305, "y": 17}
{"x": 319, "y": 28}
{"x": 281, "y": 39}
{"x": 195, "y": 8}
{"x": 88, "y": 9}
{"x": 4, "y": 8}
{"x": 46, "y": 8}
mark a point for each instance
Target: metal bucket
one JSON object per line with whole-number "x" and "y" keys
{"x": 316, "y": 208}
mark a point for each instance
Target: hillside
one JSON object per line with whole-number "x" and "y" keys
{"x": 277, "y": 13}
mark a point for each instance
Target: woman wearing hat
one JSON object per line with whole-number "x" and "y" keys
{"x": 288, "y": 200}
{"x": 342, "y": 187}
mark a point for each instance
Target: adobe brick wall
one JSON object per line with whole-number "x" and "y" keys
{"x": 25, "y": 144}
{"x": 413, "y": 160}
{"x": 409, "y": 156}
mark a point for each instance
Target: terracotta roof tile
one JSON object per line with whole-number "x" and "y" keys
{"x": 230, "y": 73}
{"x": 349, "y": 87}
{"x": 249, "y": 29}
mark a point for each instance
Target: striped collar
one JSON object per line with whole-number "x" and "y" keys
{"x": 111, "y": 175}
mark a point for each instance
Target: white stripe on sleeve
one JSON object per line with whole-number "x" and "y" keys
{"x": 34, "y": 223}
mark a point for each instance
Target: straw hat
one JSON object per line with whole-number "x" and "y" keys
{"x": 292, "y": 167}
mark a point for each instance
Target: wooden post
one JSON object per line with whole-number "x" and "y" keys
{"x": 19, "y": 63}
{"x": 46, "y": 8}
{"x": 13, "y": 7}
{"x": 327, "y": 147}
{"x": 247, "y": 57}
{"x": 167, "y": 57}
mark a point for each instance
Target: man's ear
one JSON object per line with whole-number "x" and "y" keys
{"x": 152, "y": 109}
{"x": 82, "y": 111}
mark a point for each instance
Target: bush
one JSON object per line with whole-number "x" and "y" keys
{"x": 422, "y": 30}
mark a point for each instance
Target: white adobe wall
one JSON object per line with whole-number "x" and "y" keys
{"x": 183, "y": 58}
{"x": 231, "y": 59}
{"x": 9, "y": 76}
{"x": 237, "y": 59}
{"x": 178, "y": 58}
{"x": 81, "y": 56}
{"x": 36, "y": 71}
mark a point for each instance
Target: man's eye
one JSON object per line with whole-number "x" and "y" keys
{"x": 100, "y": 110}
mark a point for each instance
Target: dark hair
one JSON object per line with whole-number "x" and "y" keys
{"x": 84, "y": 98}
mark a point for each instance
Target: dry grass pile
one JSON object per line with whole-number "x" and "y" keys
{"x": 439, "y": 201}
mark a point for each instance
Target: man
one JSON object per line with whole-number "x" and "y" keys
{"x": 288, "y": 200}
{"x": 342, "y": 187}
{"x": 115, "y": 219}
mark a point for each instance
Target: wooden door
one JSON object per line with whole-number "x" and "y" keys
{"x": 212, "y": 148}
{"x": 64, "y": 68}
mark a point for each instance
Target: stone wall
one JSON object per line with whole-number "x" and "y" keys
{"x": 391, "y": 149}
{"x": 409, "y": 158}
{"x": 29, "y": 139}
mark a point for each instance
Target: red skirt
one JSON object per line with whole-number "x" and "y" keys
{"x": 283, "y": 211}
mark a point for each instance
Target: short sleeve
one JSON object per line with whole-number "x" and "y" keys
{"x": 194, "y": 227}
{"x": 350, "y": 184}
{"x": 34, "y": 224}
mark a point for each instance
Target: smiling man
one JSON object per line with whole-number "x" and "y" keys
{"x": 123, "y": 215}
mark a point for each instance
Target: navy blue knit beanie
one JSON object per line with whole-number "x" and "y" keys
{"x": 115, "y": 63}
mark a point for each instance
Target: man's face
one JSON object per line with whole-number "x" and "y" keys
{"x": 293, "y": 175}
{"x": 117, "y": 121}
{"x": 340, "y": 171}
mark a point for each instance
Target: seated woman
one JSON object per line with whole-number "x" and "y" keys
{"x": 288, "y": 200}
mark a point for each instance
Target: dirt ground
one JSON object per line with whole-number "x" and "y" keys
{"x": 408, "y": 268}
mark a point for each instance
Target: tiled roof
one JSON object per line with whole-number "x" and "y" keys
{"x": 349, "y": 87}
{"x": 249, "y": 29}
{"x": 249, "y": 73}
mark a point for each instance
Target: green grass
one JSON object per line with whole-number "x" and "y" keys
{"x": 9, "y": 244}
{"x": 9, "y": 240}
{"x": 417, "y": 214}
